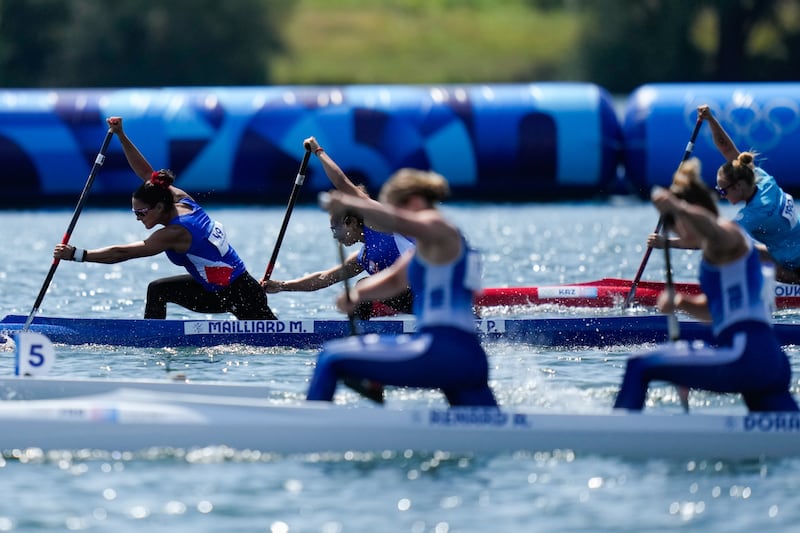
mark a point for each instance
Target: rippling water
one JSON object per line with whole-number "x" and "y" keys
{"x": 225, "y": 490}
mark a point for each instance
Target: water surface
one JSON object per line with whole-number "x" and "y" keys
{"x": 236, "y": 491}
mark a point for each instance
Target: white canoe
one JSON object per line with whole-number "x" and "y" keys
{"x": 43, "y": 388}
{"x": 138, "y": 419}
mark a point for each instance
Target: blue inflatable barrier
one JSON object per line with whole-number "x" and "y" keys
{"x": 659, "y": 118}
{"x": 493, "y": 142}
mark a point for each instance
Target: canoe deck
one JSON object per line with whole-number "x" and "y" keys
{"x": 139, "y": 419}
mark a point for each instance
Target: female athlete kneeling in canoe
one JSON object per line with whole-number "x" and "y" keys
{"x": 445, "y": 352}
{"x": 217, "y": 280}
{"x": 747, "y": 357}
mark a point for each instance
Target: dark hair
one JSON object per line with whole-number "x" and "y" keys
{"x": 352, "y": 215}
{"x": 157, "y": 189}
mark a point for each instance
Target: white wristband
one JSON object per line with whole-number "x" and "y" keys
{"x": 79, "y": 255}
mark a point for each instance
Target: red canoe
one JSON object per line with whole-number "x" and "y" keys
{"x": 607, "y": 292}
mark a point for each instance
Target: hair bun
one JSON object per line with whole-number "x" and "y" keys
{"x": 746, "y": 158}
{"x": 162, "y": 178}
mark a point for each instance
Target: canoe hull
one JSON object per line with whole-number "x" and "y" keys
{"x": 606, "y": 292}
{"x": 47, "y": 388}
{"x": 306, "y": 334}
{"x": 136, "y": 420}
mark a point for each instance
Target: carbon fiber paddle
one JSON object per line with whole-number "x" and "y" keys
{"x": 688, "y": 152}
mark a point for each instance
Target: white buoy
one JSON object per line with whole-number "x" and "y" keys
{"x": 34, "y": 354}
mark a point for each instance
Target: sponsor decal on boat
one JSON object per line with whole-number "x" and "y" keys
{"x": 476, "y": 417}
{"x": 482, "y": 325}
{"x": 225, "y": 327}
{"x": 567, "y": 292}
{"x": 80, "y": 414}
{"x": 491, "y": 326}
{"x": 772, "y": 422}
{"x": 786, "y": 289}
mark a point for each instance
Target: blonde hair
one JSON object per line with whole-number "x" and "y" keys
{"x": 740, "y": 169}
{"x": 687, "y": 184}
{"x": 408, "y": 182}
{"x": 692, "y": 169}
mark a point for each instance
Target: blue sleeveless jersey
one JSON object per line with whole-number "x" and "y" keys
{"x": 380, "y": 250}
{"x": 770, "y": 218}
{"x": 210, "y": 259}
{"x": 734, "y": 291}
{"x": 443, "y": 293}
{"x": 746, "y": 357}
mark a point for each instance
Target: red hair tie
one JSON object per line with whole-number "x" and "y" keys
{"x": 158, "y": 180}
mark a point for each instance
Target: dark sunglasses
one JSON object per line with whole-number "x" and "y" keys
{"x": 141, "y": 213}
{"x": 339, "y": 223}
{"x": 723, "y": 191}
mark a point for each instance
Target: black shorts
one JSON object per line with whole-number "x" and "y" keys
{"x": 401, "y": 304}
{"x": 244, "y": 298}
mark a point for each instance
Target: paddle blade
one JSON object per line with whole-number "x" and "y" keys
{"x": 683, "y": 396}
{"x": 365, "y": 387}
{"x": 34, "y": 354}
{"x": 768, "y": 289}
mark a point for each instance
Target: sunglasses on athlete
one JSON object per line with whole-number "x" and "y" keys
{"x": 723, "y": 191}
{"x": 141, "y": 212}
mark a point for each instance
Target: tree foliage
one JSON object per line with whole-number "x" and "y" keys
{"x": 626, "y": 43}
{"x": 28, "y": 36}
{"x": 94, "y": 43}
{"x": 619, "y": 44}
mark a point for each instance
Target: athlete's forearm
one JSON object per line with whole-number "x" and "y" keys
{"x": 695, "y": 305}
{"x": 138, "y": 163}
{"x": 722, "y": 140}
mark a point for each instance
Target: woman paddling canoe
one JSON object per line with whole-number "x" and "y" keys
{"x": 443, "y": 272}
{"x": 768, "y": 212}
{"x": 380, "y": 250}
{"x": 217, "y": 280}
{"x": 747, "y": 357}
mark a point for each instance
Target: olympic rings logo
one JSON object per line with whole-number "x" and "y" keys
{"x": 753, "y": 125}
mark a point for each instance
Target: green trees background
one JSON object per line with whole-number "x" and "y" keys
{"x": 139, "y": 43}
{"x": 619, "y": 44}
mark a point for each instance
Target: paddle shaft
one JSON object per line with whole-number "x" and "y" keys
{"x": 98, "y": 162}
{"x": 673, "y": 327}
{"x": 632, "y": 293}
{"x": 298, "y": 183}
{"x": 350, "y": 316}
{"x": 672, "y": 324}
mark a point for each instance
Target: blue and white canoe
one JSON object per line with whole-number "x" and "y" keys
{"x": 132, "y": 420}
{"x": 560, "y": 331}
